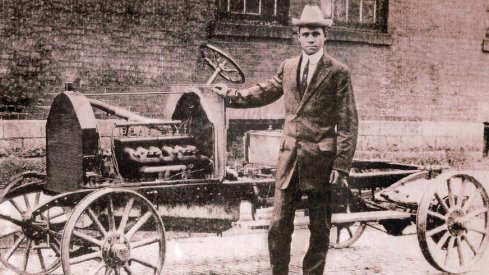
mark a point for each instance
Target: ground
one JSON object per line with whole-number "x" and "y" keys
{"x": 374, "y": 253}
{"x": 246, "y": 253}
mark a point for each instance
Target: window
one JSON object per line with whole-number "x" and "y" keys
{"x": 254, "y": 11}
{"x": 361, "y": 14}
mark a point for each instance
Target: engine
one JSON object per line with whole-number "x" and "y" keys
{"x": 188, "y": 144}
{"x": 170, "y": 156}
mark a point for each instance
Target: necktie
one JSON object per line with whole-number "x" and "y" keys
{"x": 304, "y": 78}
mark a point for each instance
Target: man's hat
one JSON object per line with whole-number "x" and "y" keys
{"x": 312, "y": 16}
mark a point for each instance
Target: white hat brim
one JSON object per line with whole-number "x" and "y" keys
{"x": 322, "y": 23}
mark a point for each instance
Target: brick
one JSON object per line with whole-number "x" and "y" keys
{"x": 447, "y": 128}
{"x": 34, "y": 143}
{"x": 23, "y": 128}
{"x": 399, "y": 128}
{"x": 371, "y": 128}
{"x": 11, "y": 145}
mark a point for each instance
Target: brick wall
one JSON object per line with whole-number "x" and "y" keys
{"x": 103, "y": 45}
{"x": 433, "y": 71}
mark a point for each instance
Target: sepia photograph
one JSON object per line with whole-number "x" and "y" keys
{"x": 216, "y": 137}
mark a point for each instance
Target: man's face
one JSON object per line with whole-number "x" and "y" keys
{"x": 312, "y": 39}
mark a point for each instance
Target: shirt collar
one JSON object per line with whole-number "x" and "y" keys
{"x": 313, "y": 59}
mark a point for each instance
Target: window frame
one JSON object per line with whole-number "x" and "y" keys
{"x": 279, "y": 16}
{"x": 381, "y": 14}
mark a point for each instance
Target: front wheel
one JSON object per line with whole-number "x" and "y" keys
{"x": 453, "y": 222}
{"x": 113, "y": 231}
{"x": 29, "y": 242}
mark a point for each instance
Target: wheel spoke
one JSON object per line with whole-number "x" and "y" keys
{"x": 143, "y": 262}
{"x": 441, "y": 202}
{"x": 442, "y": 241}
{"x": 26, "y": 255}
{"x": 469, "y": 201}
{"x": 436, "y": 230}
{"x": 14, "y": 247}
{"x": 27, "y": 203}
{"x": 125, "y": 215}
{"x": 451, "y": 200}
{"x": 466, "y": 240}
{"x": 16, "y": 205}
{"x": 99, "y": 267}
{"x": 144, "y": 242}
{"x": 437, "y": 215}
{"x": 16, "y": 231}
{"x": 460, "y": 199}
{"x": 55, "y": 248}
{"x": 128, "y": 269}
{"x": 138, "y": 224}
{"x": 459, "y": 251}
{"x": 12, "y": 220}
{"x": 117, "y": 271}
{"x": 37, "y": 198}
{"x": 110, "y": 213}
{"x": 449, "y": 249}
{"x": 86, "y": 257}
{"x": 478, "y": 230}
{"x": 41, "y": 259}
{"x": 87, "y": 238}
{"x": 338, "y": 234}
{"x": 95, "y": 219}
{"x": 349, "y": 231}
{"x": 479, "y": 210}
{"x": 108, "y": 271}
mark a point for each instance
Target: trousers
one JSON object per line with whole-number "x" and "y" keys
{"x": 286, "y": 202}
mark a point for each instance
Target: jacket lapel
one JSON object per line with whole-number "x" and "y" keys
{"x": 295, "y": 70}
{"x": 321, "y": 72}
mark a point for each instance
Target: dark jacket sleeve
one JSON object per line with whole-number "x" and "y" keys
{"x": 347, "y": 122}
{"x": 260, "y": 94}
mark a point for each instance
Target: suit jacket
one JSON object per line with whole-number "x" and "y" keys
{"x": 320, "y": 130}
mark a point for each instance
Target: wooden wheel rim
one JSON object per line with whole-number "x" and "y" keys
{"x": 25, "y": 198}
{"x": 354, "y": 232}
{"x": 108, "y": 254}
{"x": 445, "y": 223}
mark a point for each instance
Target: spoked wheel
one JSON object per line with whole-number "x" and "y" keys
{"x": 452, "y": 222}
{"x": 343, "y": 235}
{"x": 29, "y": 243}
{"x": 113, "y": 231}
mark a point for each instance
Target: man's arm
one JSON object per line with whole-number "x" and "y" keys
{"x": 259, "y": 95}
{"x": 347, "y": 126}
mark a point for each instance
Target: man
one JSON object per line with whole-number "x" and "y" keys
{"x": 318, "y": 143}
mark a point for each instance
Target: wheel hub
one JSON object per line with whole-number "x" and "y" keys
{"x": 33, "y": 232}
{"x": 116, "y": 250}
{"x": 456, "y": 223}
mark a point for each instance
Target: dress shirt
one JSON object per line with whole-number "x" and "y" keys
{"x": 313, "y": 62}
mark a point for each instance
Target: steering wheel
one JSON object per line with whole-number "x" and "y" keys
{"x": 219, "y": 62}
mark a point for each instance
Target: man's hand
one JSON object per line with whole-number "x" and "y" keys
{"x": 338, "y": 178}
{"x": 221, "y": 89}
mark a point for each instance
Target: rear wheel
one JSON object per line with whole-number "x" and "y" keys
{"x": 453, "y": 222}
{"x": 343, "y": 235}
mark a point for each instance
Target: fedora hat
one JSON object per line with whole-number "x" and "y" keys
{"x": 312, "y": 16}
